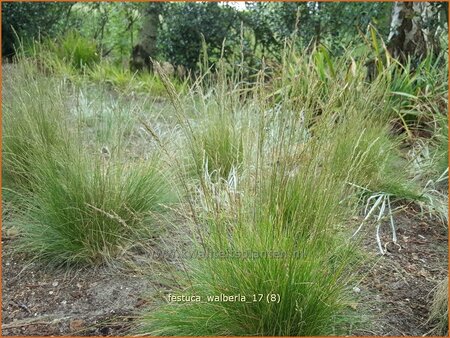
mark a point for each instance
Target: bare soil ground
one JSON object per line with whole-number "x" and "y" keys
{"x": 396, "y": 288}
{"x": 38, "y": 301}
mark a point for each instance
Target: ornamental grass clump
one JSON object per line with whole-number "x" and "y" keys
{"x": 287, "y": 204}
{"x": 80, "y": 201}
{"x": 88, "y": 210}
{"x": 33, "y": 121}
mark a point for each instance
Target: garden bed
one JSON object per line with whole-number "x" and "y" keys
{"x": 395, "y": 289}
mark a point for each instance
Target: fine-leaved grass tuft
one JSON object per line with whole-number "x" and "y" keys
{"x": 287, "y": 203}
{"x": 86, "y": 210}
{"x": 81, "y": 202}
{"x": 33, "y": 121}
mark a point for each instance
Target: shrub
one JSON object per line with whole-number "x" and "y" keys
{"x": 28, "y": 20}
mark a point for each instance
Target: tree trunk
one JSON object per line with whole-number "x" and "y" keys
{"x": 411, "y": 34}
{"x": 146, "y": 47}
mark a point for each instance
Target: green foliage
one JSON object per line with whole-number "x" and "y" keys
{"x": 332, "y": 23}
{"x": 29, "y": 123}
{"x": 441, "y": 149}
{"x": 125, "y": 81}
{"x": 217, "y": 147}
{"x": 83, "y": 203}
{"x": 294, "y": 190}
{"x": 78, "y": 51}
{"x": 114, "y": 26}
{"x": 108, "y": 73}
{"x": 260, "y": 30}
{"x": 119, "y": 40}
{"x": 314, "y": 136}
{"x": 278, "y": 214}
{"x": 29, "y": 20}
{"x": 71, "y": 50}
{"x": 186, "y": 24}
{"x": 283, "y": 154}
{"x": 87, "y": 210}
{"x": 309, "y": 295}
{"x": 418, "y": 92}
{"x": 75, "y": 57}
{"x": 151, "y": 83}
